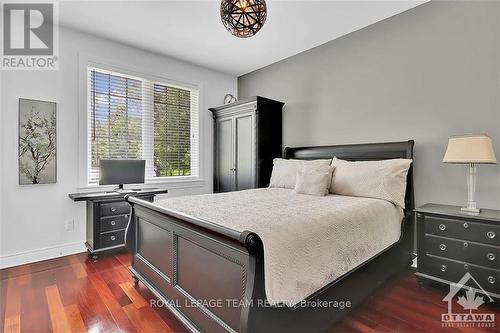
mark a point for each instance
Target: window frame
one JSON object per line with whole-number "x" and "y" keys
{"x": 84, "y": 144}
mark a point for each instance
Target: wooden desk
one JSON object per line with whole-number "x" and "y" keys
{"x": 108, "y": 215}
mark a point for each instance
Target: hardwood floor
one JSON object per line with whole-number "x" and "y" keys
{"x": 76, "y": 294}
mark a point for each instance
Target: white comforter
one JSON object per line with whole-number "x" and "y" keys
{"x": 309, "y": 241}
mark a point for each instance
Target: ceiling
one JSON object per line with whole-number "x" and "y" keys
{"x": 192, "y": 30}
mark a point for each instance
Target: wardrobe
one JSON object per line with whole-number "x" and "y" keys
{"x": 247, "y": 137}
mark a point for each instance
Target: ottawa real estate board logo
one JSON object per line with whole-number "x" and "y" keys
{"x": 30, "y": 36}
{"x": 470, "y": 301}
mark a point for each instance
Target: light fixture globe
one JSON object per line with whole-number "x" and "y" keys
{"x": 243, "y": 18}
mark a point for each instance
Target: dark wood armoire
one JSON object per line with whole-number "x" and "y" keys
{"x": 247, "y": 137}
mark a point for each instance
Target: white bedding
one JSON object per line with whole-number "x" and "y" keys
{"x": 309, "y": 241}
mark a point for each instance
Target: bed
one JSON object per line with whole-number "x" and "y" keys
{"x": 219, "y": 273}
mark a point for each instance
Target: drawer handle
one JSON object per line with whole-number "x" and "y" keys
{"x": 491, "y": 279}
{"x": 113, "y": 238}
{"x": 466, "y": 244}
{"x": 442, "y": 227}
{"x": 490, "y": 234}
{"x": 466, "y": 267}
{"x": 442, "y": 247}
{"x": 490, "y": 256}
{"x": 443, "y": 268}
{"x": 113, "y": 209}
{"x": 113, "y": 223}
{"x": 466, "y": 225}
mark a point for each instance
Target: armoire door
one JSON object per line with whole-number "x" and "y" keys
{"x": 224, "y": 155}
{"x": 244, "y": 129}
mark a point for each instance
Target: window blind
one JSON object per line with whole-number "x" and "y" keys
{"x": 135, "y": 118}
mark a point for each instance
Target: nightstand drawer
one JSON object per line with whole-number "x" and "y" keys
{"x": 114, "y": 222}
{"x": 465, "y": 230}
{"x": 478, "y": 254}
{"x": 115, "y": 208}
{"x": 453, "y": 271}
{"x": 113, "y": 238}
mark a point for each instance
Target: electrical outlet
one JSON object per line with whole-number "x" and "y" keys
{"x": 69, "y": 225}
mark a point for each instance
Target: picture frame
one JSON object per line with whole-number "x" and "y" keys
{"x": 37, "y": 142}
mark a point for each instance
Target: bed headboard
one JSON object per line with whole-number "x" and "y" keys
{"x": 361, "y": 152}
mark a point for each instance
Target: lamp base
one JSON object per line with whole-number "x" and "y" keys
{"x": 474, "y": 211}
{"x": 471, "y": 207}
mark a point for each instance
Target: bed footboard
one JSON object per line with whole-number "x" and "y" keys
{"x": 197, "y": 269}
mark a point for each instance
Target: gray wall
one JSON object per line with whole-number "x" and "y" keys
{"x": 424, "y": 74}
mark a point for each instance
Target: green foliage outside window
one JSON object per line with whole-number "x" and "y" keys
{"x": 172, "y": 131}
{"x": 117, "y": 123}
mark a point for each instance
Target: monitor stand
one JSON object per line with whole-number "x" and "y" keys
{"x": 119, "y": 188}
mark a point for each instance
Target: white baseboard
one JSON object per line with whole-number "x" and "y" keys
{"x": 31, "y": 256}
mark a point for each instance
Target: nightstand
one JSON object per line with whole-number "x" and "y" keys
{"x": 451, "y": 243}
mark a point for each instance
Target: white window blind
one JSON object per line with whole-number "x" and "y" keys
{"x": 136, "y": 118}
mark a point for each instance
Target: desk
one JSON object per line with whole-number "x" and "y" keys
{"x": 108, "y": 215}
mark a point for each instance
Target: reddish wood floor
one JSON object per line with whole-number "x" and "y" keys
{"x": 75, "y": 294}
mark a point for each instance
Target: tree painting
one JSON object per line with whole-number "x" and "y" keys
{"x": 37, "y": 142}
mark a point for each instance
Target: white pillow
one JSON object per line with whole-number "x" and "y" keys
{"x": 285, "y": 171}
{"x": 308, "y": 168}
{"x": 312, "y": 183}
{"x": 384, "y": 179}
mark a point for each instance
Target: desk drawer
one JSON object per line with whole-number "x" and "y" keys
{"x": 465, "y": 230}
{"x": 113, "y": 238}
{"x": 453, "y": 271}
{"x": 478, "y": 254}
{"x": 115, "y": 208}
{"x": 114, "y": 222}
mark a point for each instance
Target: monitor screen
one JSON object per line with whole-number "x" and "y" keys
{"x": 117, "y": 172}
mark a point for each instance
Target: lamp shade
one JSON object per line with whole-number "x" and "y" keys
{"x": 470, "y": 148}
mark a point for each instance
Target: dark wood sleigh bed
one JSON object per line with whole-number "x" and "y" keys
{"x": 212, "y": 277}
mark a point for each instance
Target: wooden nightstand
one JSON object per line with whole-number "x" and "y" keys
{"x": 451, "y": 243}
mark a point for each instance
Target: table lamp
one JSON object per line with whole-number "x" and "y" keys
{"x": 470, "y": 149}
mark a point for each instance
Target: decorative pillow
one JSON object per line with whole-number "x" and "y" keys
{"x": 312, "y": 183}
{"x": 384, "y": 179}
{"x": 285, "y": 171}
{"x": 320, "y": 169}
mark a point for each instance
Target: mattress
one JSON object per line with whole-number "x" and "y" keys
{"x": 309, "y": 241}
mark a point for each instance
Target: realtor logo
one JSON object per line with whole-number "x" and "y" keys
{"x": 468, "y": 301}
{"x": 29, "y": 36}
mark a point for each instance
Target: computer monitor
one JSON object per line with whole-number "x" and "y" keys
{"x": 119, "y": 172}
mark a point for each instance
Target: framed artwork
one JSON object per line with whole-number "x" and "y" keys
{"x": 37, "y": 142}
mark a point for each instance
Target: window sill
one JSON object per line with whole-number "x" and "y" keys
{"x": 173, "y": 183}
{"x": 161, "y": 183}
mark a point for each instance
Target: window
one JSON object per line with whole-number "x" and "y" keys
{"x": 137, "y": 118}
{"x": 172, "y": 128}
